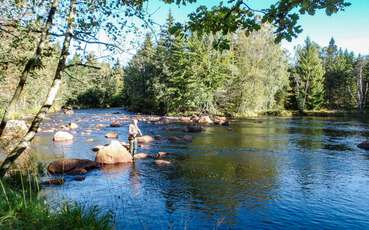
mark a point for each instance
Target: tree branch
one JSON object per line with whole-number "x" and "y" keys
{"x": 83, "y": 65}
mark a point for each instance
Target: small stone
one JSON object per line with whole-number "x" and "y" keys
{"x": 99, "y": 126}
{"x": 205, "y": 120}
{"x": 112, "y": 135}
{"x": 62, "y": 136}
{"x": 145, "y": 139}
{"x": 72, "y": 125}
{"x": 187, "y": 138}
{"x": 364, "y": 145}
{"x": 58, "y": 181}
{"x": 162, "y": 162}
{"x": 115, "y": 124}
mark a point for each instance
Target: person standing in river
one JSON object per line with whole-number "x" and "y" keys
{"x": 133, "y": 131}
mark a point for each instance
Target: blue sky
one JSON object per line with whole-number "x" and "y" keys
{"x": 350, "y": 28}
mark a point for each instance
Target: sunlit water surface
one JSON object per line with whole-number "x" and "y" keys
{"x": 265, "y": 173}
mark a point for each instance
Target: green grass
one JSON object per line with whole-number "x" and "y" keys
{"x": 22, "y": 208}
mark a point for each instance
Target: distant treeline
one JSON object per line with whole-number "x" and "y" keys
{"x": 180, "y": 74}
{"x": 191, "y": 74}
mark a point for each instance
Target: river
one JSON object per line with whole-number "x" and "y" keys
{"x": 262, "y": 173}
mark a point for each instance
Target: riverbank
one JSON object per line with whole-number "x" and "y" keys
{"x": 22, "y": 208}
{"x": 307, "y": 113}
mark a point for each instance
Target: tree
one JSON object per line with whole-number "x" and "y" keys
{"x": 259, "y": 72}
{"x": 362, "y": 76}
{"x": 140, "y": 80}
{"x": 33, "y": 63}
{"x": 178, "y": 74}
{"x": 340, "y": 82}
{"x": 309, "y": 77}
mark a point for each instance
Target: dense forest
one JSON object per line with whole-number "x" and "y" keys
{"x": 187, "y": 73}
{"x": 179, "y": 74}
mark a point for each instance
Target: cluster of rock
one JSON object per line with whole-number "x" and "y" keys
{"x": 202, "y": 120}
{"x": 118, "y": 152}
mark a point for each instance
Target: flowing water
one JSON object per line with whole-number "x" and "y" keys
{"x": 265, "y": 173}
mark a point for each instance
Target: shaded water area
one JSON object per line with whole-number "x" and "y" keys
{"x": 264, "y": 173}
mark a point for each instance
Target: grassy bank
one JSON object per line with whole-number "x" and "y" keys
{"x": 22, "y": 208}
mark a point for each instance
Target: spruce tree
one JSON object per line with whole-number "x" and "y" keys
{"x": 310, "y": 73}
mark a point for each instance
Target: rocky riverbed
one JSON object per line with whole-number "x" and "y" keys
{"x": 264, "y": 172}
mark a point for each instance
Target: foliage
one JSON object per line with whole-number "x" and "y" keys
{"x": 339, "y": 77}
{"x": 180, "y": 74}
{"x": 176, "y": 75}
{"x": 92, "y": 84}
{"x": 238, "y": 14}
{"x": 309, "y": 77}
{"x": 259, "y": 75}
{"x": 15, "y": 49}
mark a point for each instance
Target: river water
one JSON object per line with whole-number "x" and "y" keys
{"x": 264, "y": 173}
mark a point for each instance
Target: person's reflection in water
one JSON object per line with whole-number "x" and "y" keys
{"x": 135, "y": 180}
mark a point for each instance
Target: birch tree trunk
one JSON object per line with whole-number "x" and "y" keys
{"x": 30, "y": 65}
{"x": 362, "y": 86}
{"x": 307, "y": 85}
{"x": 26, "y": 141}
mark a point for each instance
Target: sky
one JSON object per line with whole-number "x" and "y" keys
{"x": 349, "y": 28}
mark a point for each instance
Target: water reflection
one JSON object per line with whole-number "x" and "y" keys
{"x": 261, "y": 173}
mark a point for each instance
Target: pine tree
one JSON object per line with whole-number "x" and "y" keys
{"x": 310, "y": 77}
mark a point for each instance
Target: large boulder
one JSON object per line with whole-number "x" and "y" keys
{"x": 145, "y": 139}
{"x": 62, "y": 136}
{"x": 72, "y": 166}
{"x": 113, "y": 153}
{"x": 15, "y": 128}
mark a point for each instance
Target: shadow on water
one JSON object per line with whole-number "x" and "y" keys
{"x": 258, "y": 173}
